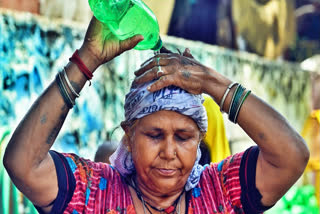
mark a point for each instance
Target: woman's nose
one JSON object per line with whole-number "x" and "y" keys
{"x": 168, "y": 149}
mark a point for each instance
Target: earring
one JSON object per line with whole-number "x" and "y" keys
{"x": 129, "y": 148}
{"x": 175, "y": 153}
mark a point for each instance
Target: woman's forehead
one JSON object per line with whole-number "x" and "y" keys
{"x": 163, "y": 119}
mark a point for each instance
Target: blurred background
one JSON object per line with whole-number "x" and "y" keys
{"x": 271, "y": 46}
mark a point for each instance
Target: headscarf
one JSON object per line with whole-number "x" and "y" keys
{"x": 140, "y": 102}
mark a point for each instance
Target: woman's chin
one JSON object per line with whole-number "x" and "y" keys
{"x": 167, "y": 186}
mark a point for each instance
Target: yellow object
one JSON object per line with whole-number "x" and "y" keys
{"x": 311, "y": 134}
{"x": 216, "y": 138}
{"x": 268, "y": 26}
{"x": 163, "y": 10}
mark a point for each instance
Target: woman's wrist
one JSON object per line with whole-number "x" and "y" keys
{"x": 215, "y": 85}
{"x": 89, "y": 59}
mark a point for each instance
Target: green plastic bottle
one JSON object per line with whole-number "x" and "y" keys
{"x": 126, "y": 18}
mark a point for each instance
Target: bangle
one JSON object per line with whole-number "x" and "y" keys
{"x": 61, "y": 84}
{"x": 68, "y": 83}
{"x": 243, "y": 99}
{"x": 226, "y": 94}
{"x": 236, "y": 99}
{"x": 63, "y": 91}
{"x": 82, "y": 67}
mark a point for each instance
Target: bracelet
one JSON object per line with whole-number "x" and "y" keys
{"x": 236, "y": 99}
{"x": 226, "y": 94}
{"x": 68, "y": 83}
{"x": 64, "y": 89}
{"x": 82, "y": 67}
{"x": 64, "y": 93}
{"x": 243, "y": 99}
{"x": 232, "y": 100}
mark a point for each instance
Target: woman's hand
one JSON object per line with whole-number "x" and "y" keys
{"x": 173, "y": 69}
{"x": 103, "y": 45}
{"x": 181, "y": 70}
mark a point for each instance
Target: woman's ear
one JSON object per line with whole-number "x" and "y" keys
{"x": 129, "y": 131}
{"x": 126, "y": 141}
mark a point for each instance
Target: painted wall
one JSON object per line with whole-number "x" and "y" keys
{"x": 33, "y": 49}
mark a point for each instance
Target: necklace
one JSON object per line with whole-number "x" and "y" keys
{"x": 170, "y": 209}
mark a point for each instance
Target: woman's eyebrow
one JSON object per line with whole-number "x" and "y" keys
{"x": 152, "y": 128}
{"x": 186, "y": 129}
{"x": 181, "y": 130}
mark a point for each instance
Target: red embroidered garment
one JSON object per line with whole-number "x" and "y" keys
{"x": 98, "y": 188}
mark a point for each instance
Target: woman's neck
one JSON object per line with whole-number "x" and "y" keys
{"x": 157, "y": 199}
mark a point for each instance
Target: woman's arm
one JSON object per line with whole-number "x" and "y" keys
{"x": 26, "y": 159}
{"x": 283, "y": 153}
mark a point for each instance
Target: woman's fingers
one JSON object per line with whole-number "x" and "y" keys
{"x": 149, "y": 75}
{"x": 151, "y": 59}
{"x": 158, "y": 60}
{"x": 130, "y": 42}
{"x": 187, "y": 53}
{"x": 173, "y": 69}
{"x": 193, "y": 87}
{"x": 104, "y": 45}
{"x": 165, "y": 50}
{"x": 161, "y": 55}
{"x": 164, "y": 81}
{"x": 147, "y": 65}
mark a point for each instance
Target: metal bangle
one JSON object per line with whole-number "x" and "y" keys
{"x": 65, "y": 89}
{"x": 226, "y": 94}
{"x": 68, "y": 83}
{"x": 64, "y": 92}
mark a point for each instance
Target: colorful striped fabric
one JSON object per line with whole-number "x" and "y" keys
{"x": 99, "y": 188}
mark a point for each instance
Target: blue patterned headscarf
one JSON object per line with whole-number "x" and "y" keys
{"x": 140, "y": 103}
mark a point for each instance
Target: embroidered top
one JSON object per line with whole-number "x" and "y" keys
{"x": 90, "y": 187}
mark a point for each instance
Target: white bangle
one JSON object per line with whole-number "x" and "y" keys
{"x": 69, "y": 84}
{"x": 225, "y": 95}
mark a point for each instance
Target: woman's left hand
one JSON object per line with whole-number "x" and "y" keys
{"x": 102, "y": 45}
{"x": 174, "y": 69}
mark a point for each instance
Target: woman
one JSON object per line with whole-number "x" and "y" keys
{"x": 155, "y": 168}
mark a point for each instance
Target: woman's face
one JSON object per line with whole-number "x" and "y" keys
{"x": 164, "y": 148}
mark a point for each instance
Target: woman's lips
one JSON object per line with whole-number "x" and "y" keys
{"x": 166, "y": 172}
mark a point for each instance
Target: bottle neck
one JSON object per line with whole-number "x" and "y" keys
{"x": 158, "y": 45}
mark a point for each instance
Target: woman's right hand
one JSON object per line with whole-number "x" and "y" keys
{"x": 183, "y": 71}
{"x": 102, "y": 45}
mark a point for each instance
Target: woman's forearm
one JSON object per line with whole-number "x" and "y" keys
{"x": 271, "y": 132}
{"x": 262, "y": 123}
{"x": 280, "y": 144}
{"x": 38, "y": 130}
{"x": 283, "y": 152}
{"x": 26, "y": 159}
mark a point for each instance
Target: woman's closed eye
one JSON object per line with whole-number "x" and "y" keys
{"x": 181, "y": 137}
{"x": 155, "y": 136}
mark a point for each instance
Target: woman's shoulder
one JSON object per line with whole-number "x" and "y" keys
{"x": 88, "y": 167}
{"x": 231, "y": 163}
{"x": 219, "y": 186}
{"x": 93, "y": 180}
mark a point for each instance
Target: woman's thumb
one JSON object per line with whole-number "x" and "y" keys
{"x": 130, "y": 42}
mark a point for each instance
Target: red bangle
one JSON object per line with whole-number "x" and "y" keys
{"x": 83, "y": 68}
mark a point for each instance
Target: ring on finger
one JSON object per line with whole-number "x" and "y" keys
{"x": 160, "y": 71}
